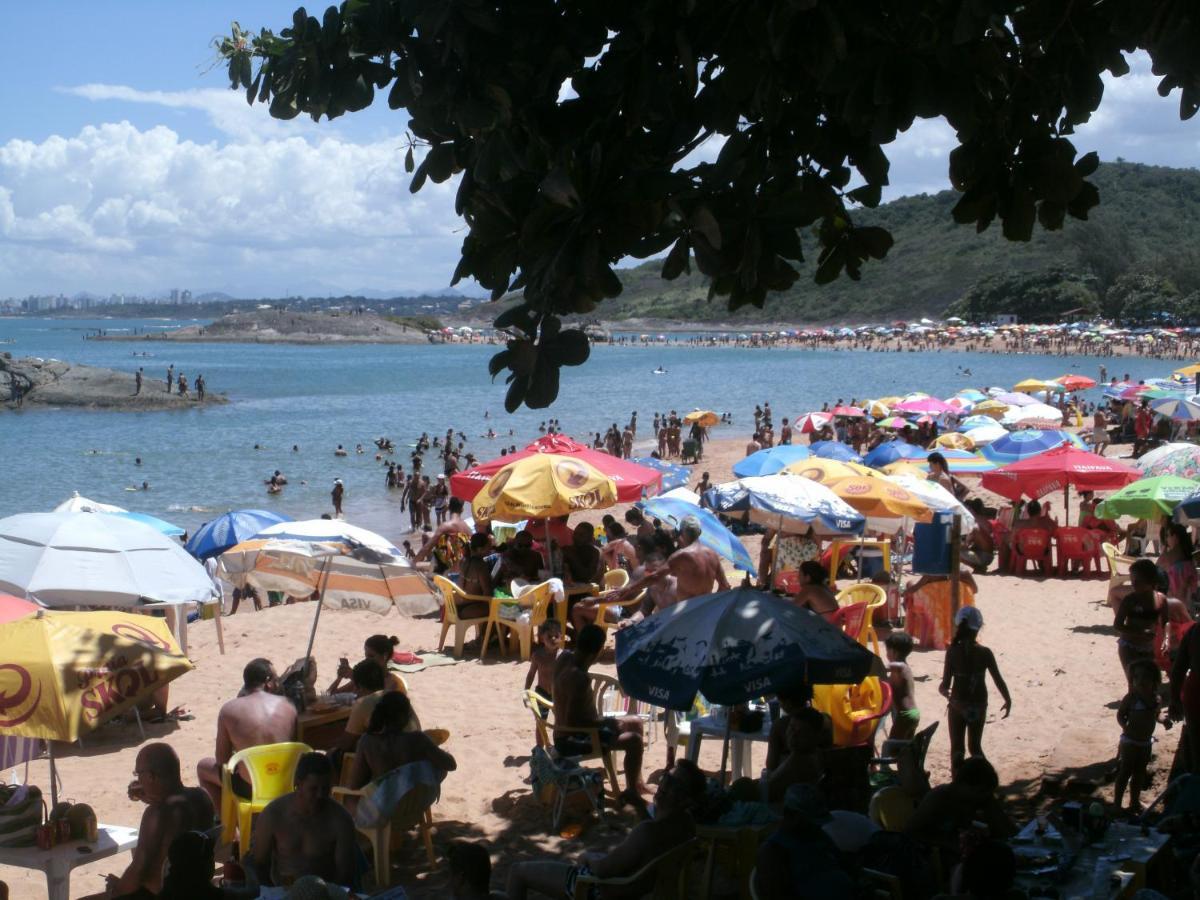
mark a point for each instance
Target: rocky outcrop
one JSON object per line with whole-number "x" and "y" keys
{"x": 36, "y": 382}
{"x": 271, "y": 326}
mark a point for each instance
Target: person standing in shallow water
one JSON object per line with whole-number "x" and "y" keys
{"x": 336, "y": 495}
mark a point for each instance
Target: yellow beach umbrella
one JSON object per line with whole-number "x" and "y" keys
{"x": 542, "y": 486}
{"x": 880, "y": 498}
{"x": 64, "y": 673}
{"x": 828, "y": 471}
{"x": 1034, "y": 386}
{"x": 903, "y": 467}
{"x": 877, "y": 409}
{"x": 1189, "y": 371}
{"x": 888, "y": 401}
{"x": 705, "y": 417}
{"x": 954, "y": 440}
{"x": 993, "y": 408}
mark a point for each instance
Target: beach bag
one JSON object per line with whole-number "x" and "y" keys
{"x": 404, "y": 792}
{"x": 21, "y": 812}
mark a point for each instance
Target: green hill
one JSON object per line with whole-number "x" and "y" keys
{"x": 1138, "y": 255}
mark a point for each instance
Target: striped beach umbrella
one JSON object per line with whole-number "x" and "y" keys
{"x": 1180, "y": 410}
{"x": 1023, "y": 444}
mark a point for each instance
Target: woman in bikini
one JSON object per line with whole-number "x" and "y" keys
{"x": 1140, "y": 614}
{"x": 814, "y": 592}
{"x": 964, "y": 684}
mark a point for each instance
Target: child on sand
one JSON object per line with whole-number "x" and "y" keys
{"x": 541, "y": 660}
{"x": 1137, "y": 716}
{"x": 964, "y": 684}
{"x": 905, "y": 715}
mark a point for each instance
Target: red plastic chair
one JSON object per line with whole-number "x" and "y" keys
{"x": 1030, "y": 545}
{"x": 1076, "y": 545}
{"x": 850, "y": 619}
{"x": 788, "y": 581}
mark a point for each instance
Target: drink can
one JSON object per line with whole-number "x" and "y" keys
{"x": 45, "y": 836}
{"x": 93, "y": 830}
{"x": 63, "y": 828}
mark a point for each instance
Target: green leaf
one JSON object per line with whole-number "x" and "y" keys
{"x": 678, "y": 260}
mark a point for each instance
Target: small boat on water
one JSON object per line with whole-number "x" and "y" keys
{"x": 659, "y": 371}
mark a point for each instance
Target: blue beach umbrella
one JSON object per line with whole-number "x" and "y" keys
{"x": 894, "y": 451}
{"x": 713, "y": 533}
{"x": 159, "y": 525}
{"x": 1178, "y": 409}
{"x": 1023, "y": 444}
{"x": 772, "y": 459}
{"x": 834, "y": 450}
{"x": 732, "y": 647}
{"x": 788, "y": 503}
{"x": 225, "y": 531}
{"x": 673, "y": 476}
{"x": 1188, "y": 511}
{"x": 971, "y": 394}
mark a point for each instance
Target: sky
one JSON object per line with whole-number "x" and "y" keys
{"x": 128, "y": 166}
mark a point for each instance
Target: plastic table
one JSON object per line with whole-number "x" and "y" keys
{"x": 740, "y": 742}
{"x": 58, "y": 862}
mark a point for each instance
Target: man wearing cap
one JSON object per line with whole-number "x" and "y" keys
{"x": 800, "y": 859}
{"x": 339, "y": 491}
{"x": 695, "y": 568}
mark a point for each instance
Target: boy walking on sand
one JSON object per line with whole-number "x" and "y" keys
{"x": 1137, "y": 715}
{"x": 542, "y": 659}
{"x": 905, "y": 715}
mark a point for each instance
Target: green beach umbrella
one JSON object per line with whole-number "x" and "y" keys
{"x": 1148, "y": 498}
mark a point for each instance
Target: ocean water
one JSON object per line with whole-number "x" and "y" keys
{"x": 202, "y": 461}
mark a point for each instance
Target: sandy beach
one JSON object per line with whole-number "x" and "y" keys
{"x": 1053, "y": 640}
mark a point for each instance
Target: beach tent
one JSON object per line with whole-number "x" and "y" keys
{"x": 633, "y": 482}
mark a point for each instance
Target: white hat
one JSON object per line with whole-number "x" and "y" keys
{"x": 969, "y": 616}
{"x": 337, "y": 481}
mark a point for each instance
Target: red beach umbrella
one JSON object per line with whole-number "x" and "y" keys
{"x": 12, "y": 608}
{"x": 810, "y": 422}
{"x": 1059, "y": 468}
{"x": 633, "y": 481}
{"x": 1076, "y": 382}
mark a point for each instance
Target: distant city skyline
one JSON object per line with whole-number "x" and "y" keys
{"x": 127, "y": 166}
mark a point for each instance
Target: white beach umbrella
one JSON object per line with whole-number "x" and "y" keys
{"x": 83, "y": 559}
{"x": 1034, "y": 413}
{"x": 75, "y": 503}
{"x": 682, "y": 493}
{"x": 323, "y": 530}
{"x": 985, "y": 434}
{"x": 935, "y": 497}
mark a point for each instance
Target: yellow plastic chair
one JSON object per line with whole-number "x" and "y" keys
{"x": 413, "y": 811}
{"x": 874, "y": 597}
{"x": 272, "y": 769}
{"x": 452, "y": 595}
{"x": 539, "y": 705}
{"x": 615, "y": 579}
{"x": 891, "y": 808}
{"x": 669, "y": 870}
{"x": 1116, "y": 578}
{"x": 602, "y": 608}
{"x": 537, "y": 600}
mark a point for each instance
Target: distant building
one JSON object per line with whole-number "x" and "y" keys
{"x": 186, "y": 296}
{"x": 1006, "y": 319}
{"x": 174, "y": 295}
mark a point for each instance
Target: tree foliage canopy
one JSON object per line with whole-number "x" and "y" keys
{"x": 577, "y": 127}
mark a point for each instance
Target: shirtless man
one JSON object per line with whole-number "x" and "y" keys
{"x": 694, "y": 567}
{"x": 257, "y": 716}
{"x": 171, "y": 810}
{"x": 305, "y": 832}
{"x": 573, "y": 707}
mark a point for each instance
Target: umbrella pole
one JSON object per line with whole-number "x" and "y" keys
{"x": 53, "y": 776}
{"x": 312, "y": 635}
{"x": 725, "y": 744}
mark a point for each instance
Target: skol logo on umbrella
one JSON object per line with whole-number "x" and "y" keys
{"x": 105, "y": 687}
{"x": 571, "y": 473}
{"x": 496, "y": 488}
{"x": 17, "y": 698}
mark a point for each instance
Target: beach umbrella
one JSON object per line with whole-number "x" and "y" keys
{"x": 673, "y": 476}
{"x": 159, "y": 525}
{"x": 1191, "y": 371}
{"x": 1149, "y": 498}
{"x": 1133, "y": 392}
{"x": 888, "y": 401}
{"x": 732, "y": 647}
{"x": 1011, "y": 398}
{"x": 849, "y": 412}
{"x": 229, "y": 529}
{"x": 1021, "y": 445}
{"x": 1180, "y": 410}
{"x": 1033, "y": 414}
{"x": 633, "y": 481}
{"x": 892, "y": 451}
{"x": 1183, "y": 461}
{"x": 976, "y": 422}
{"x": 87, "y": 559}
{"x": 1150, "y": 457}
{"x": 1036, "y": 386}
{"x": 75, "y": 503}
{"x": 702, "y": 417}
{"x": 877, "y": 409}
{"x": 787, "y": 504}
{"x": 993, "y": 408}
{"x": 881, "y": 499}
{"x": 960, "y": 404}
{"x": 928, "y": 405}
{"x": 810, "y": 422}
{"x": 982, "y": 435}
{"x": 1060, "y": 467}
{"x": 936, "y": 497}
{"x": 680, "y": 493}
{"x": 971, "y": 394}
{"x": 954, "y": 440}
{"x": 1076, "y": 382}
{"x": 894, "y": 422}
{"x": 329, "y": 531}
{"x": 713, "y": 534}
{"x": 65, "y": 673}
{"x": 770, "y": 460}
{"x": 543, "y": 486}
{"x": 14, "y": 608}
{"x": 835, "y": 450}
{"x": 904, "y": 467}
{"x": 827, "y": 471}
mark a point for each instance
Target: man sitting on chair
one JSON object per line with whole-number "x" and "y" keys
{"x": 678, "y": 793}
{"x": 574, "y": 708}
{"x": 258, "y": 715}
